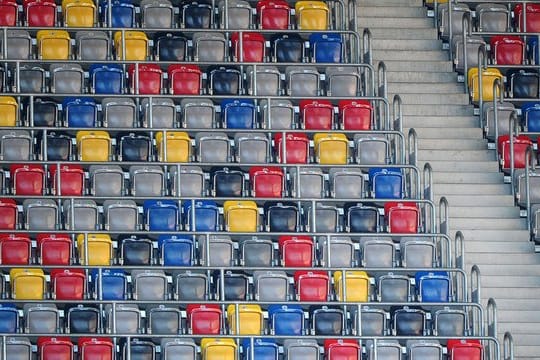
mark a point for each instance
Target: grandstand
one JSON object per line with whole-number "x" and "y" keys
{"x": 202, "y": 180}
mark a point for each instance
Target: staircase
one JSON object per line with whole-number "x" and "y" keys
{"x": 464, "y": 170}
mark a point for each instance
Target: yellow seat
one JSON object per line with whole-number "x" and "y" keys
{"x": 331, "y": 148}
{"x": 311, "y": 15}
{"x": 357, "y": 285}
{"x": 241, "y": 216}
{"x": 176, "y": 148}
{"x": 93, "y": 145}
{"x": 9, "y": 110}
{"x": 53, "y": 44}
{"x": 27, "y": 284}
{"x": 219, "y": 349}
{"x": 99, "y": 249}
{"x": 488, "y": 77}
{"x": 136, "y": 44}
{"x": 79, "y": 13}
{"x": 250, "y": 317}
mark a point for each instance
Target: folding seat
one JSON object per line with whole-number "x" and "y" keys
{"x": 201, "y": 215}
{"x": 209, "y": 46}
{"x": 273, "y": 14}
{"x": 341, "y": 349}
{"x": 504, "y": 112}
{"x": 122, "y": 14}
{"x": 296, "y": 251}
{"x": 178, "y": 348}
{"x": 326, "y": 321}
{"x": 106, "y": 79}
{"x": 191, "y": 286}
{"x": 204, "y": 319}
{"x": 394, "y": 288}
{"x": 9, "y": 111}
{"x": 302, "y": 81}
{"x": 27, "y": 179}
{"x": 219, "y": 349}
{"x": 474, "y": 43}
{"x": 15, "y": 249}
{"x": 213, "y": 147}
{"x": 135, "y": 44}
{"x": 458, "y": 11}
{"x": 71, "y": 179}
{"x": 533, "y": 51}
{"x": 145, "y": 79}
{"x": 282, "y": 216}
{"x": 360, "y": 218}
{"x": 163, "y": 320}
{"x": 521, "y": 144}
{"x": 277, "y": 114}
{"x": 251, "y": 148}
{"x": 79, "y": 13}
{"x": 465, "y": 349}
{"x": 158, "y": 113}
{"x": 120, "y": 215}
{"x": 326, "y": 48}
{"x": 267, "y": 181}
{"x": 528, "y": 20}
{"x": 424, "y": 349}
{"x": 263, "y": 80}
{"x": 372, "y": 149}
{"x": 135, "y": 148}
{"x": 53, "y": 45}
{"x": 256, "y": 252}
{"x": 109, "y": 284}
{"x": 51, "y": 348}
{"x": 100, "y": 249}
{"x": 93, "y": 145}
{"x": 157, "y": 14}
{"x": 56, "y": 147}
{"x": 346, "y": 183}
{"x": 232, "y": 286}
{"x": 106, "y": 180}
{"x": 270, "y": 285}
{"x": 343, "y": 81}
{"x": 83, "y": 320}
{"x": 18, "y": 45}
{"x": 523, "y": 83}
{"x": 354, "y": 287}
{"x": 9, "y": 214}
{"x": 377, "y": 252}
{"x": 68, "y": 284}
{"x": 449, "y": 322}
{"x": 336, "y": 251}
{"x": 286, "y": 319}
{"x": 488, "y": 77}
{"x": 187, "y": 181}
{"x": 173, "y": 146}
{"x": 316, "y": 114}
{"x": 15, "y": 145}
{"x": 27, "y": 284}
{"x": 433, "y": 286}
{"x": 386, "y": 183}
{"x": 238, "y": 114}
{"x": 493, "y": 17}
{"x": 30, "y": 79}
{"x": 94, "y": 347}
{"x": 250, "y": 319}
{"x": 44, "y": 113}
{"x": 530, "y": 115}
{"x": 147, "y": 180}
{"x": 184, "y": 79}
{"x": 301, "y": 349}
{"x": 41, "y": 214}
{"x": 66, "y": 79}
{"x": 41, "y": 318}
{"x": 307, "y": 182}
{"x": 288, "y": 48}
{"x": 198, "y": 113}
{"x": 236, "y": 16}
{"x": 252, "y": 47}
{"x": 226, "y": 81}
{"x": 322, "y": 218}
{"x": 92, "y": 45}
{"x": 402, "y": 217}
{"x": 149, "y": 285}
{"x": 312, "y": 15}
{"x": 139, "y": 349}
{"x": 9, "y": 318}
{"x": 383, "y": 350}
{"x": 9, "y": 13}
{"x": 216, "y": 250}
{"x": 54, "y": 249}
{"x": 39, "y": 13}
{"x": 264, "y": 349}
{"x": 296, "y": 148}
{"x": 197, "y": 15}
{"x": 176, "y": 250}
{"x": 408, "y": 321}
{"x": 241, "y": 216}
{"x": 418, "y": 253}
{"x": 331, "y": 148}
{"x": 119, "y": 112}
{"x": 125, "y": 319}
{"x": 80, "y": 112}
{"x": 311, "y": 285}
{"x": 507, "y": 50}
{"x": 170, "y": 47}
{"x": 161, "y": 215}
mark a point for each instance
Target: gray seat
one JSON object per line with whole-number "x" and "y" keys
{"x": 264, "y": 81}
{"x": 18, "y": 348}
{"x": 256, "y": 252}
{"x": 178, "y": 349}
{"x": 15, "y": 145}
{"x": 120, "y": 215}
{"x": 493, "y": 17}
{"x": 41, "y": 318}
{"x": 302, "y": 81}
{"x": 92, "y": 45}
{"x": 149, "y": 285}
{"x": 377, "y": 252}
{"x": 342, "y": 251}
{"x": 277, "y": 114}
{"x": 417, "y": 253}
{"x": 80, "y": 214}
{"x": 66, "y": 78}
{"x": 198, "y": 113}
{"x": 239, "y": 14}
{"x": 157, "y": 14}
{"x": 458, "y": 10}
{"x": 41, "y": 214}
{"x": 118, "y": 112}
{"x": 146, "y": 180}
{"x": 220, "y": 250}
{"x": 383, "y": 350}
{"x": 209, "y": 46}
{"x": 473, "y": 44}
{"x": 450, "y": 322}
{"x": 30, "y": 79}
{"x": 301, "y": 349}
{"x": 371, "y": 149}
{"x": 213, "y": 147}
{"x": 19, "y": 45}
{"x": 424, "y": 350}
{"x": 520, "y": 185}
{"x": 106, "y": 180}
{"x": 127, "y": 319}
{"x": 162, "y": 113}
{"x": 346, "y": 183}
{"x": 372, "y": 321}
{"x": 164, "y": 320}
{"x": 342, "y": 81}
{"x": 191, "y": 286}
{"x": 187, "y": 181}
{"x": 327, "y": 218}
{"x": 252, "y": 148}
{"x": 307, "y": 182}
{"x": 271, "y": 285}
{"x": 504, "y": 112}
{"x": 394, "y": 288}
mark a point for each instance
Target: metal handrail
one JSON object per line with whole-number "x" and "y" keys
{"x": 508, "y": 346}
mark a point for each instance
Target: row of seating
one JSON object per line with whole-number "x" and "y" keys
{"x": 231, "y": 14}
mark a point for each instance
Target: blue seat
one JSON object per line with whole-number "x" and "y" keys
{"x": 263, "y": 349}
{"x": 80, "y": 112}
{"x": 161, "y": 215}
{"x": 106, "y": 79}
{"x": 206, "y": 216}
{"x": 433, "y": 286}
{"x": 326, "y": 47}
{"x": 386, "y": 183}
{"x": 122, "y": 13}
{"x": 113, "y": 284}
{"x": 533, "y": 50}
{"x": 286, "y": 319}
{"x": 175, "y": 250}
{"x": 530, "y": 115}
{"x": 9, "y": 318}
{"x": 238, "y": 114}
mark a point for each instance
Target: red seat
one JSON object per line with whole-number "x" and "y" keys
{"x": 15, "y": 249}
{"x": 297, "y": 147}
{"x": 71, "y": 180}
{"x": 266, "y": 181}
{"x": 9, "y": 215}
{"x": 296, "y": 251}
{"x": 54, "y": 249}
{"x": 316, "y": 114}
{"x": 27, "y": 179}
{"x": 40, "y": 13}
{"x": 184, "y": 79}
{"x": 507, "y": 50}
{"x": 342, "y": 349}
{"x": 311, "y": 285}
{"x": 533, "y": 17}
{"x": 253, "y": 46}
{"x": 464, "y": 349}
{"x": 402, "y": 217}
{"x": 55, "y": 348}
{"x": 8, "y": 12}
{"x": 521, "y": 144}
{"x": 150, "y": 79}
{"x": 274, "y": 14}
{"x": 204, "y": 319}
{"x": 68, "y": 284}
{"x": 91, "y": 348}
{"x": 355, "y": 114}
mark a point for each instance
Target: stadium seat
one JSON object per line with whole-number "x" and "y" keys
{"x": 216, "y": 250}
{"x": 120, "y": 215}
{"x": 31, "y": 79}
{"x": 159, "y": 113}
{"x": 170, "y": 47}
{"x": 83, "y": 319}
{"x": 288, "y": 48}
{"x": 79, "y": 13}
{"x": 238, "y": 114}
{"x": 127, "y": 320}
{"x": 312, "y": 15}
{"x": 409, "y": 321}
{"x": 241, "y": 216}
{"x": 147, "y": 180}
{"x": 360, "y": 218}
{"x": 118, "y": 112}
{"x": 184, "y": 79}
{"x": 311, "y": 285}
{"x": 251, "y": 148}
{"x": 213, "y": 147}
{"x": 226, "y": 81}
{"x": 316, "y": 114}
{"x": 355, "y": 114}
{"x": 346, "y": 183}
{"x": 377, "y": 252}
{"x": 41, "y": 214}
{"x": 256, "y": 252}
{"x": 71, "y": 180}
{"x": 204, "y": 319}
{"x": 372, "y": 149}
{"x": 326, "y": 321}
{"x": 208, "y": 46}
{"x": 68, "y": 284}
{"x": 250, "y": 49}
{"x": 271, "y": 285}
{"x": 198, "y": 113}
{"x": 343, "y": 81}
{"x": 239, "y": 14}
{"x": 449, "y": 322}
{"x": 92, "y": 45}
{"x": 145, "y": 79}
{"x": 488, "y": 77}
{"x": 93, "y": 145}
{"x": 267, "y": 182}
{"x": 134, "y": 148}
{"x": 219, "y": 349}
{"x": 58, "y": 147}
{"x": 40, "y": 13}
{"x": 386, "y": 183}
{"x": 51, "y": 348}
{"x": 149, "y": 285}
{"x": 187, "y": 181}
{"x": 322, "y": 218}
{"x": 250, "y": 319}
{"x": 355, "y": 287}
{"x": 507, "y": 50}
{"x": 493, "y": 17}
{"x": 433, "y": 286}
{"x": 106, "y": 79}
{"x": 66, "y": 78}
{"x": 9, "y": 215}
{"x": 302, "y": 81}
{"x": 44, "y": 113}
{"x": 173, "y": 146}
{"x": 156, "y": 14}
{"x": 263, "y": 80}
{"x": 419, "y": 253}
{"x": 53, "y": 249}
{"x": 286, "y": 319}
{"x": 18, "y": 45}
{"x": 530, "y": 114}
{"x": 282, "y": 216}
{"x": 384, "y": 350}
{"x": 191, "y": 286}
{"x": 201, "y": 215}
{"x": 197, "y": 15}
{"x": 15, "y": 249}
{"x": 307, "y": 182}
{"x": 95, "y": 347}
{"x": 161, "y": 215}
{"x": 301, "y": 349}
{"x": 178, "y": 349}
{"x": 139, "y": 349}
{"x": 27, "y": 284}
{"x": 341, "y": 253}
{"x": 80, "y": 112}
{"x": 521, "y": 144}
{"x": 296, "y": 251}
{"x": 465, "y": 349}
{"x": 402, "y": 217}
{"x": 531, "y": 13}
{"x": 326, "y": 48}
{"x": 424, "y": 349}
{"x": 232, "y": 286}
{"x": 296, "y": 148}
{"x": 27, "y": 179}
{"x": 53, "y": 44}
{"x": 342, "y": 349}
{"x": 9, "y": 13}
{"x": 331, "y": 148}
{"x": 9, "y": 111}
{"x": 111, "y": 285}
{"x": 523, "y": 84}
{"x": 100, "y": 249}
{"x": 16, "y": 145}
{"x": 122, "y": 14}
{"x": 394, "y": 288}
{"x": 273, "y": 14}
{"x": 176, "y": 250}
{"x": 41, "y": 318}
{"x": 164, "y": 320}
{"x": 262, "y": 349}
{"x": 136, "y": 45}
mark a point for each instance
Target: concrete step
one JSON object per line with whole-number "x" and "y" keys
{"x": 435, "y": 132}
{"x": 417, "y": 77}
{"x": 494, "y": 211}
{"x": 425, "y": 55}
{"x": 407, "y": 44}
{"x": 407, "y": 64}
{"x": 436, "y": 97}
{"x": 481, "y": 259}
{"x": 472, "y": 189}
{"x": 512, "y": 270}
{"x": 458, "y": 201}
{"x": 397, "y": 3}
{"x": 423, "y": 88}
{"x": 489, "y": 236}
{"x": 468, "y": 172}
{"x": 524, "y": 316}
{"x": 498, "y": 247}
{"x": 457, "y": 155}
{"x": 483, "y": 223}
{"x": 466, "y": 144}
{"x": 399, "y": 34}
{"x": 443, "y": 109}
{"x": 391, "y": 11}
{"x": 394, "y": 22}
{"x": 520, "y": 331}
